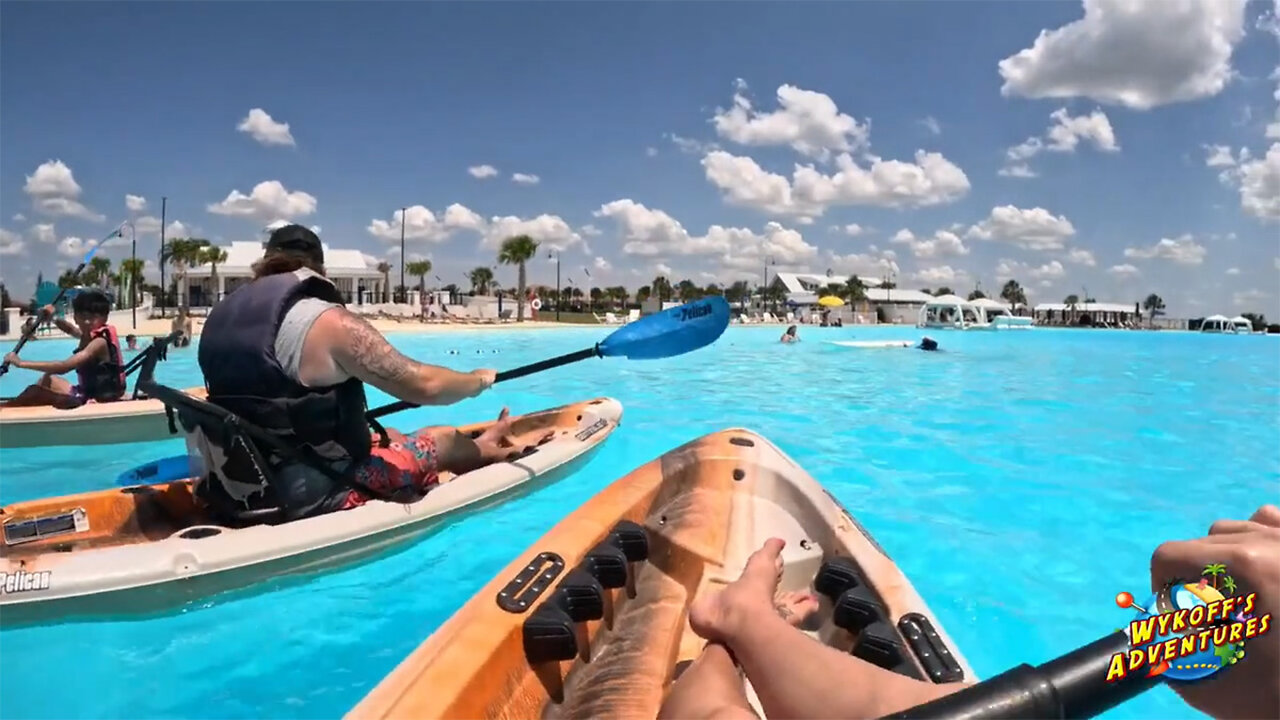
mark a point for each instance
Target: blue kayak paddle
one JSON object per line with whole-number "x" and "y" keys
{"x": 660, "y": 335}
{"x": 169, "y": 469}
{"x": 29, "y": 331}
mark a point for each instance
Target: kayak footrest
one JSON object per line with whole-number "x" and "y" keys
{"x": 929, "y": 648}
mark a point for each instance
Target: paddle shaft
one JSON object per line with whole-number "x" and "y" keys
{"x": 30, "y": 331}
{"x": 519, "y": 372}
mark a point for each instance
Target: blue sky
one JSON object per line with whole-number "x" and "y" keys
{"x": 1125, "y": 150}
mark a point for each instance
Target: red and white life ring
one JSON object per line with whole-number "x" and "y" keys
{"x": 536, "y": 304}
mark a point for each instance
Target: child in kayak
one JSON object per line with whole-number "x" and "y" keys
{"x": 99, "y": 370}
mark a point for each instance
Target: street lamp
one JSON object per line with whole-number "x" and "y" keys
{"x": 556, "y": 254}
{"x": 402, "y": 258}
{"x": 133, "y": 263}
{"x": 164, "y": 201}
{"x": 764, "y": 289}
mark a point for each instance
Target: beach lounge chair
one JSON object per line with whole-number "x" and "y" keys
{"x": 612, "y": 319}
{"x": 634, "y": 315}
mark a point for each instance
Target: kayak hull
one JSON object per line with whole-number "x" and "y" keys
{"x": 126, "y": 421}
{"x": 704, "y": 508}
{"x": 148, "y": 549}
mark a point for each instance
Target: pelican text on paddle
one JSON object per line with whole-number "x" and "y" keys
{"x": 693, "y": 312}
{"x": 21, "y": 581}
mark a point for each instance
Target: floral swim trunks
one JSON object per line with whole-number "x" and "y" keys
{"x": 410, "y": 463}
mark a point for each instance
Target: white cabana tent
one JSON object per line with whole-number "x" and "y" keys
{"x": 1243, "y": 325}
{"x": 1217, "y": 324}
{"x": 949, "y": 311}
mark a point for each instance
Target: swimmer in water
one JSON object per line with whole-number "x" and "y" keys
{"x": 928, "y": 344}
{"x": 790, "y": 335}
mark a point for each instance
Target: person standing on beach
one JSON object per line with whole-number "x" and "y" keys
{"x": 283, "y": 353}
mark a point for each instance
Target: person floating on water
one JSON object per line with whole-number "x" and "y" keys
{"x": 96, "y": 361}
{"x": 751, "y": 633}
{"x": 790, "y": 335}
{"x": 131, "y": 341}
{"x": 927, "y": 343}
{"x": 283, "y": 353}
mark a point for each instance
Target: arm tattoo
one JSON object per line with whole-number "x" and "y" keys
{"x": 372, "y": 352}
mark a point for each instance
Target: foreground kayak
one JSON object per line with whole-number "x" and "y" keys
{"x": 125, "y": 421}
{"x": 149, "y": 547}
{"x": 874, "y": 343}
{"x": 638, "y": 553}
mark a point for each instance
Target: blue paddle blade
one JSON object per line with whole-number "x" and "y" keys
{"x": 670, "y": 332}
{"x": 169, "y": 469}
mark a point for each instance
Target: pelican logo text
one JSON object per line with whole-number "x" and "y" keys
{"x": 21, "y": 581}
{"x": 694, "y": 311}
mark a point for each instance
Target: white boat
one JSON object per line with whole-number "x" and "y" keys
{"x": 148, "y": 548}
{"x": 951, "y": 312}
{"x": 1242, "y": 324}
{"x": 1217, "y": 324}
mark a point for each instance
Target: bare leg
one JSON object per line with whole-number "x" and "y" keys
{"x": 459, "y": 453}
{"x": 48, "y": 390}
{"x": 712, "y": 685}
{"x": 793, "y": 675}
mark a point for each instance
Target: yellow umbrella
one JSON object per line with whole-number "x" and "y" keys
{"x": 830, "y": 301}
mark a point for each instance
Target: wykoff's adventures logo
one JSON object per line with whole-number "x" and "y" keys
{"x": 1189, "y": 631}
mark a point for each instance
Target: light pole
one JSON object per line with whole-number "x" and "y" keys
{"x": 402, "y": 259}
{"x": 164, "y": 201}
{"x": 556, "y": 254}
{"x": 133, "y": 280}
{"x": 764, "y": 289}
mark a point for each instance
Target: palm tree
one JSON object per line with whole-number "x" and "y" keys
{"x": 1013, "y": 293}
{"x": 384, "y": 267}
{"x": 518, "y": 250}
{"x": 1071, "y": 301}
{"x": 944, "y": 290}
{"x": 687, "y": 291}
{"x": 131, "y": 272}
{"x": 1213, "y": 570}
{"x": 661, "y": 288}
{"x": 644, "y": 292}
{"x": 183, "y": 254}
{"x": 712, "y": 289}
{"x": 976, "y": 295}
{"x": 1228, "y": 584}
{"x": 419, "y": 269}
{"x": 214, "y": 256}
{"x": 595, "y": 295}
{"x": 99, "y": 273}
{"x": 1154, "y": 306}
{"x": 480, "y": 278}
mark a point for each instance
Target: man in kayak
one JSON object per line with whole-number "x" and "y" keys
{"x": 96, "y": 361}
{"x": 928, "y": 344}
{"x": 790, "y": 335}
{"x": 283, "y": 353}
{"x": 794, "y": 676}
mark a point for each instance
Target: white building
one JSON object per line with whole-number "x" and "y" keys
{"x": 1099, "y": 313}
{"x": 897, "y": 304}
{"x": 353, "y": 272}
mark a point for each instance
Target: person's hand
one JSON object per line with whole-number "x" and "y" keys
{"x": 487, "y": 378}
{"x": 1251, "y": 551}
{"x": 13, "y": 359}
{"x": 47, "y": 312}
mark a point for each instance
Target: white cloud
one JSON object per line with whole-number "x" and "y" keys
{"x": 1248, "y": 298}
{"x": 135, "y": 203}
{"x": 602, "y": 264}
{"x": 421, "y": 224}
{"x": 689, "y": 146}
{"x": 43, "y": 232}
{"x": 807, "y": 121}
{"x": 1182, "y": 250}
{"x": 853, "y": 229}
{"x": 74, "y": 247}
{"x": 663, "y": 269}
{"x": 1218, "y": 156}
{"x": 19, "y": 217}
{"x": 930, "y": 180}
{"x": 1080, "y": 256}
{"x": 1033, "y": 229}
{"x": 865, "y": 264}
{"x": 1123, "y": 271}
{"x": 1260, "y": 185}
{"x": 931, "y": 124}
{"x": 11, "y": 243}
{"x": 1014, "y": 270}
{"x": 525, "y": 179}
{"x": 651, "y": 151}
{"x": 54, "y": 191}
{"x": 942, "y": 243}
{"x": 482, "y": 171}
{"x": 261, "y": 127}
{"x": 590, "y": 231}
{"x": 941, "y": 275}
{"x": 268, "y": 199}
{"x": 1132, "y": 53}
{"x": 1270, "y": 22}
{"x": 1063, "y": 136}
{"x": 1233, "y": 271}
{"x": 551, "y": 231}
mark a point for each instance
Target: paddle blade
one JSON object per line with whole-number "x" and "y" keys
{"x": 670, "y": 332}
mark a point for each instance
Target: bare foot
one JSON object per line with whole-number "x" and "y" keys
{"x": 717, "y": 616}
{"x": 495, "y": 443}
{"x": 795, "y": 607}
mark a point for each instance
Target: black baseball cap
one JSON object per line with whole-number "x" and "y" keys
{"x": 297, "y": 240}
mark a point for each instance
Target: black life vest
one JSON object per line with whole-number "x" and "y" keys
{"x": 244, "y": 376}
{"x": 104, "y": 380}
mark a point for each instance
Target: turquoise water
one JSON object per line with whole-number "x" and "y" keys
{"x": 1021, "y": 480}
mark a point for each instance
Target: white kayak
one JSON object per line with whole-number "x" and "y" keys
{"x": 123, "y": 421}
{"x": 151, "y": 547}
{"x": 874, "y": 343}
{"x": 628, "y": 563}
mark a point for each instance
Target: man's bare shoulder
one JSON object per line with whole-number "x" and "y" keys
{"x": 358, "y": 346}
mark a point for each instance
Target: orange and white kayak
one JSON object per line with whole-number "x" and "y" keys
{"x": 592, "y": 620}
{"x": 151, "y": 547}
{"x": 124, "y": 421}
